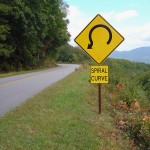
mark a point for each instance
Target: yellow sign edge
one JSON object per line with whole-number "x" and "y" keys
{"x": 111, "y": 26}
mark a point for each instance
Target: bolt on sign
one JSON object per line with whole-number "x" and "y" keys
{"x": 99, "y": 39}
{"x": 99, "y": 74}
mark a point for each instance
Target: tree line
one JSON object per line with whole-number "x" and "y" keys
{"x": 30, "y": 32}
{"x": 70, "y": 54}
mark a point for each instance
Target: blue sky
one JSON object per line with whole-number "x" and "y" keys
{"x": 130, "y": 17}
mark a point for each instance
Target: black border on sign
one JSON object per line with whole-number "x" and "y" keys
{"x": 111, "y": 51}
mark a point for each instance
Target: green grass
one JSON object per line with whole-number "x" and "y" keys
{"x": 2, "y": 75}
{"x": 12, "y": 73}
{"x": 63, "y": 117}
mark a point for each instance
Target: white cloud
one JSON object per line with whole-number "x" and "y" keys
{"x": 108, "y": 15}
{"x": 125, "y": 15}
{"x": 135, "y": 36}
{"x": 119, "y": 16}
{"x": 78, "y": 21}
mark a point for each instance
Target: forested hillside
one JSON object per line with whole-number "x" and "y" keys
{"x": 70, "y": 54}
{"x": 31, "y": 32}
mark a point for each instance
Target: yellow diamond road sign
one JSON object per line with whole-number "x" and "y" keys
{"x": 99, "y": 39}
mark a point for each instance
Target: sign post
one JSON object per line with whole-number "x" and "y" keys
{"x": 99, "y": 75}
{"x": 99, "y": 39}
{"x": 99, "y": 99}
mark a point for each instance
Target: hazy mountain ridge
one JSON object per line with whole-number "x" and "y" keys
{"x": 141, "y": 54}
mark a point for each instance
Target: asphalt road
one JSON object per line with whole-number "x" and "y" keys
{"x": 16, "y": 89}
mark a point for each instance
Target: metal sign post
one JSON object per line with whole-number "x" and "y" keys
{"x": 99, "y": 98}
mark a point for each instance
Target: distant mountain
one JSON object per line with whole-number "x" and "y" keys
{"x": 141, "y": 54}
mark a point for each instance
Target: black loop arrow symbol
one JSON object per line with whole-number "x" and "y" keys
{"x": 91, "y": 31}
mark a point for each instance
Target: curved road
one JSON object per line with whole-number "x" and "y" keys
{"x": 16, "y": 89}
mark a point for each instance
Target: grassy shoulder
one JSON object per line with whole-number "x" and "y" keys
{"x": 64, "y": 116}
{"x": 48, "y": 64}
{"x": 13, "y": 73}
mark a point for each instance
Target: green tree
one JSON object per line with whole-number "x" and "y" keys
{"x": 32, "y": 30}
{"x": 5, "y": 48}
{"x": 72, "y": 54}
{"x": 144, "y": 81}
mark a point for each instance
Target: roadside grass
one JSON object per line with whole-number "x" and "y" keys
{"x": 2, "y": 75}
{"x": 63, "y": 117}
{"x": 12, "y": 73}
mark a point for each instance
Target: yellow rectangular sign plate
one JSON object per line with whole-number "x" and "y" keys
{"x": 99, "y": 74}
